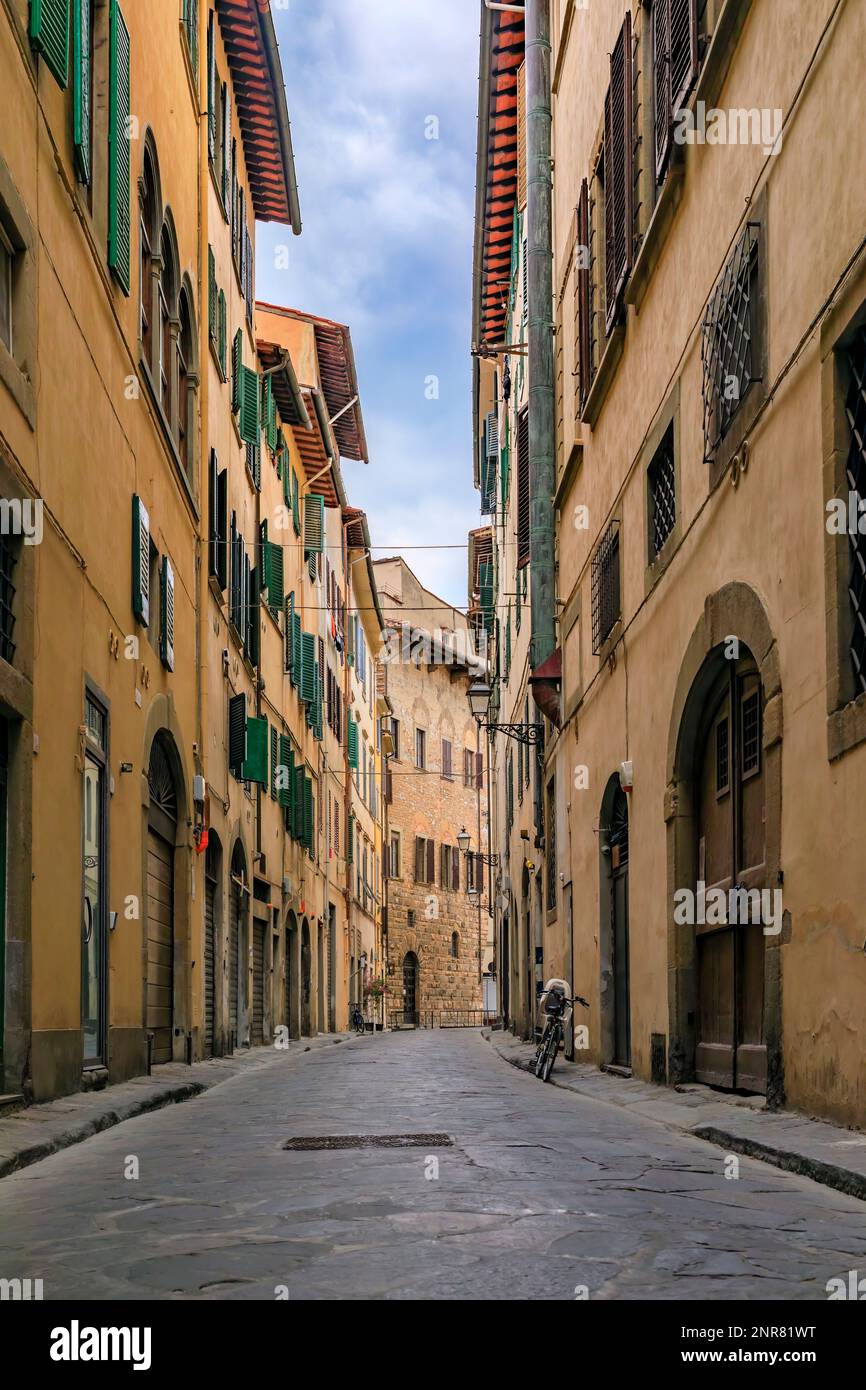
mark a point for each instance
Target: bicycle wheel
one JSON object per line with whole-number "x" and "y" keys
{"x": 550, "y": 1055}
{"x": 541, "y": 1051}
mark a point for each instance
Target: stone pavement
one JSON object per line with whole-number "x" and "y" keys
{"x": 541, "y": 1194}
{"x": 30, "y": 1134}
{"x": 824, "y": 1152}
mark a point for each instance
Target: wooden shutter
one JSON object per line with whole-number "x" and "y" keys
{"x": 309, "y": 824}
{"x": 249, "y": 406}
{"x": 662, "y": 115}
{"x": 49, "y": 35}
{"x": 583, "y": 283}
{"x": 227, "y": 145}
{"x": 444, "y": 866}
{"x": 523, "y": 488}
{"x": 211, "y": 88}
{"x": 221, "y": 332}
{"x": 211, "y": 295}
{"x": 286, "y": 771}
{"x": 289, "y": 635}
{"x": 166, "y": 636}
{"x": 255, "y": 768}
{"x": 237, "y": 734}
{"x": 222, "y": 511}
{"x": 275, "y": 577}
{"x": 274, "y": 761}
{"x": 455, "y": 868}
{"x": 140, "y": 561}
{"x": 308, "y": 667}
{"x": 352, "y": 740}
{"x": 237, "y": 363}
{"x": 683, "y": 32}
{"x": 213, "y": 530}
{"x": 521, "y": 136}
{"x": 314, "y": 524}
{"x": 618, "y": 149}
{"x": 431, "y": 861}
{"x": 82, "y": 88}
{"x": 119, "y": 213}
{"x": 420, "y": 858}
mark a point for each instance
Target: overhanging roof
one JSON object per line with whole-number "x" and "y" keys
{"x": 502, "y": 52}
{"x": 287, "y": 392}
{"x": 247, "y": 28}
{"x": 318, "y": 451}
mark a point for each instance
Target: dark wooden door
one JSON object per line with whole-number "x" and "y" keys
{"x": 258, "y": 1012}
{"x": 160, "y": 944}
{"x": 210, "y": 891}
{"x": 410, "y": 988}
{"x": 618, "y": 841}
{"x": 730, "y": 1048}
{"x": 234, "y": 933}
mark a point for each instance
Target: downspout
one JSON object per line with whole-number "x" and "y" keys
{"x": 542, "y": 460}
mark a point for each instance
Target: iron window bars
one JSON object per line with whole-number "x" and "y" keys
{"x": 855, "y": 473}
{"x": 606, "y": 603}
{"x": 7, "y": 597}
{"x": 662, "y": 485}
{"x": 730, "y": 354}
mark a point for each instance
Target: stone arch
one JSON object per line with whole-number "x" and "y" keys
{"x": 735, "y": 610}
{"x": 165, "y": 815}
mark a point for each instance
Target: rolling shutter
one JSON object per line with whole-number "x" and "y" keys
{"x": 82, "y": 88}
{"x": 49, "y": 35}
{"x": 314, "y": 524}
{"x": 140, "y": 561}
{"x": 119, "y": 215}
{"x": 166, "y": 635}
{"x": 618, "y": 173}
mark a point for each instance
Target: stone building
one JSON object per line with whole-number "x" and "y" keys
{"x": 436, "y": 779}
{"x": 708, "y": 377}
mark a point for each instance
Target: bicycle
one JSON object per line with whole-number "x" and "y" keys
{"x": 557, "y": 1007}
{"x": 356, "y": 1020}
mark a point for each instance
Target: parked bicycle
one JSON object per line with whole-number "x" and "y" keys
{"x": 558, "y": 1008}
{"x": 357, "y": 1019}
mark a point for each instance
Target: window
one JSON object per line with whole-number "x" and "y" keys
{"x": 730, "y": 343}
{"x": 394, "y": 856}
{"x": 468, "y": 768}
{"x": 7, "y": 596}
{"x": 550, "y": 848}
{"x": 185, "y": 415}
{"x": 95, "y": 901}
{"x": 190, "y": 29}
{"x": 523, "y": 488}
{"x": 420, "y": 749}
{"x": 455, "y": 945}
{"x": 425, "y": 860}
{"x": 166, "y": 300}
{"x": 148, "y": 232}
{"x": 854, "y": 362}
{"x": 583, "y": 294}
{"x": 119, "y": 206}
{"x": 606, "y": 601}
{"x": 750, "y": 733}
{"x": 723, "y": 767}
{"x": 446, "y": 760}
{"x": 449, "y": 867}
{"x": 675, "y": 67}
{"x": 661, "y": 486}
{"x": 7, "y": 257}
{"x": 618, "y": 187}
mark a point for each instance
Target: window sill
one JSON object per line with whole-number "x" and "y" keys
{"x": 606, "y": 649}
{"x": 846, "y": 728}
{"x": 604, "y": 377}
{"x": 659, "y": 563}
{"x": 656, "y": 234}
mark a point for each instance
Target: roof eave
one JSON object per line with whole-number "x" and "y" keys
{"x": 275, "y": 66}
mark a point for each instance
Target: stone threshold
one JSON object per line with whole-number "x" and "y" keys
{"x": 816, "y": 1149}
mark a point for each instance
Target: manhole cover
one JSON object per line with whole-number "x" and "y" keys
{"x": 370, "y": 1141}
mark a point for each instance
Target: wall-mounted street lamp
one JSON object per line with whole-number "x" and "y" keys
{"x": 464, "y": 839}
{"x": 479, "y": 702}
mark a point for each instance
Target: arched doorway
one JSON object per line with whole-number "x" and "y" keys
{"x": 306, "y": 982}
{"x": 614, "y": 938}
{"x": 212, "y": 914}
{"x": 410, "y": 988}
{"x": 292, "y": 977}
{"x": 723, "y": 815}
{"x": 730, "y": 1050}
{"x": 162, "y": 818}
{"x": 505, "y": 970}
{"x": 237, "y": 952}
{"x": 257, "y": 1010}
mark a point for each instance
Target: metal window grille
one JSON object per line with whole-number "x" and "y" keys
{"x": 729, "y": 347}
{"x": 722, "y": 758}
{"x": 751, "y": 734}
{"x": 855, "y": 471}
{"x": 661, "y": 480}
{"x": 7, "y": 597}
{"x": 605, "y": 587}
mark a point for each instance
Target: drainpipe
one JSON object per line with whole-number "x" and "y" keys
{"x": 542, "y": 463}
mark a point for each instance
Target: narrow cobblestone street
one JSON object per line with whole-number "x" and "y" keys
{"x": 542, "y": 1192}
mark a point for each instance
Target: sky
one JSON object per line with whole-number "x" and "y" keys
{"x": 386, "y": 247}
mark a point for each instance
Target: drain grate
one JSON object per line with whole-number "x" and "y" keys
{"x": 370, "y": 1141}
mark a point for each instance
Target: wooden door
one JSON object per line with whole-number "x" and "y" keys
{"x": 618, "y": 842}
{"x": 730, "y": 1047}
{"x": 160, "y": 944}
{"x": 234, "y": 953}
{"x": 210, "y": 891}
{"x": 410, "y": 988}
{"x": 258, "y": 1012}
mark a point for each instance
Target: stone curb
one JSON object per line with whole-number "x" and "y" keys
{"x": 828, "y": 1174}
{"x": 846, "y": 1180}
{"x": 13, "y": 1158}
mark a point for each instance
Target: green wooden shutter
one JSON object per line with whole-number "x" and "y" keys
{"x": 119, "y": 212}
{"x": 49, "y": 35}
{"x": 249, "y": 405}
{"x": 275, "y": 584}
{"x": 296, "y": 514}
{"x": 285, "y": 771}
{"x": 255, "y": 768}
{"x": 211, "y": 295}
{"x": 271, "y": 418}
{"x": 296, "y": 649}
{"x": 274, "y": 746}
{"x": 308, "y": 667}
{"x": 350, "y": 840}
{"x": 166, "y": 630}
{"x": 140, "y": 561}
{"x": 314, "y": 524}
{"x": 237, "y": 363}
{"x": 309, "y": 825}
{"x": 190, "y": 21}
{"x": 81, "y": 88}
{"x": 237, "y": 734}
{"x": 222, "y": 546}
{"x": 288, "y": 634}
{"x": 298, "y": 806}
{"x": 227, "y": 147}
{"x": 352, "y": 737}
{"x": 211, "y": 87}
{"x": 221, "y": 331}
